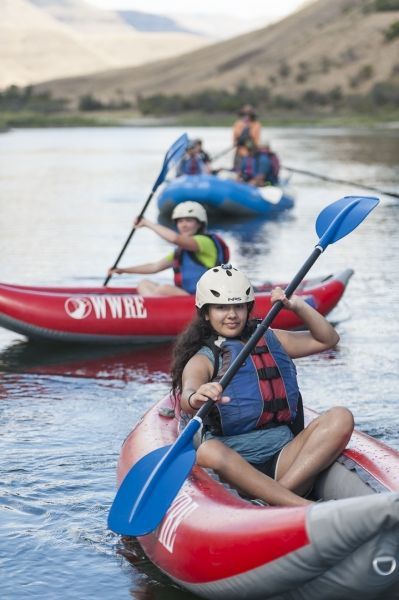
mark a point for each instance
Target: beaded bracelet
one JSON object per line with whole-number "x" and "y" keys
{"x": 189, "y": 403}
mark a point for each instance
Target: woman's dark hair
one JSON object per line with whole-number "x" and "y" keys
{"x": 187, "y": 344}
{"x": 196, "y": 335}
{"x": 248, "y": 111}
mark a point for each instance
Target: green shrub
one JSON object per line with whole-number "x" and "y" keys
{"x": 385, "y": 5}
{"x": 392, "y": 32}
{"x": 385, "y": 93}
{"x": 365, "y": 73}
{"x": 15, "y": 99}
{"x": 88, "y": 103}
{"x": 284, "y": 70}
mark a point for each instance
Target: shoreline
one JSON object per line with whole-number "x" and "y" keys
{"x": 9, "y": 121}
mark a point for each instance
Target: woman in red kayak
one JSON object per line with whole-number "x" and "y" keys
{"x": 196, "y": 251}
{"x": 254, "y": 436}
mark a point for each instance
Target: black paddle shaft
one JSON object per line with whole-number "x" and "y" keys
{"x": 125, "y": 245}
{"x": 261, "y": 329}
{"x": 342, "y": 181}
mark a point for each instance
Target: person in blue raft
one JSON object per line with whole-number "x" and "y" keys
{"x": 196, "y": 251}
{"x": 258, "y": 166}
{"x": 253, "y": 437}
{"x": 194, "y": 162}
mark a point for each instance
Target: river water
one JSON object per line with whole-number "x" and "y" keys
{"x": 67, "y": 201}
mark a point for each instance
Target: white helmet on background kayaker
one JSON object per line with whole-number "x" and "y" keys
{"x": 223, "y": 285}
{"x": 191, "y": 209}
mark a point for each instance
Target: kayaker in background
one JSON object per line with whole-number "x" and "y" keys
{"x": 256, "y": 167}
{"x": 192, "y": 162}
{"x": 196, "y": 252}
{"x": 246, "y": 128}
{"x": 253, "y": 438}
{"x": 204, "y": 156}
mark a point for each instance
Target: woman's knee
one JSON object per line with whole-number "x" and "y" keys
{"x": 211, "y": 455}
{"x": 166, "y": 289}
{"x": 146, "y": 287}
{"x": 339, "y": 420}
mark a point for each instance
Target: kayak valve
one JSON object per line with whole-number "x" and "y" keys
{"x": 384, "y": 565}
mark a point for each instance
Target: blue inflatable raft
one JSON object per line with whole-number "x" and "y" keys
{"x": 224, "y": 196}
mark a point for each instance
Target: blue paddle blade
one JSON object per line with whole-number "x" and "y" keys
{"x": 343, "y": 216}
{"x": 180, "y": 144}
{"x": 173, "y": 155}
{"x": 149, "y": 488}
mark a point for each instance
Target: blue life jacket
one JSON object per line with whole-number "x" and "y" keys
{"x": 263, "y": 393}
{"x": 192, "y": 165}
{"x": 263, "y": 163}
{"x": 188, "y": 269}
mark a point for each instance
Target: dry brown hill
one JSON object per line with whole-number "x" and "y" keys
{"x": 324, "y": 45}
{"x": 39, "y": 43}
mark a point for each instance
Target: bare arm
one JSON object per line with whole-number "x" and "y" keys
{"x": 186, "y": 242}
{"x": 197, "y": 385}
{"x": 321, "y": 335}
{"x": 144, "y": 269}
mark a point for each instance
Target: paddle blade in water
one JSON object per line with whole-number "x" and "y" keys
{"x": 343, "y": 216}
{"x": 148, "y": 490}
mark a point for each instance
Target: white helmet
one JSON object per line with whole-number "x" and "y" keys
{"x": 223, "y": 285}
{"x": 190, "y": 209}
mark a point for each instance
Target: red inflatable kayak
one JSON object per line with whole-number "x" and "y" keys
{"x": 120, "y": 315}
{"x": 219, "y": 545}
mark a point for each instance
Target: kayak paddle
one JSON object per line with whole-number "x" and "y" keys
{"x": 172, "y": 156}
{"x": 150, "y": 486}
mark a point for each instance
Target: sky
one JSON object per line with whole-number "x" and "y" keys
{"x": 249, "y": 9}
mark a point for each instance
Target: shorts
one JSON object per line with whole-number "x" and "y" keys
{"x": 260, "y": 447}
{"x": 268, "y": 467}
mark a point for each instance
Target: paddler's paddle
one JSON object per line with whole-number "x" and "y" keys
{"x": 343, "y": 181}
{"x": 222, "y": 153}
{"x": 154, "y": 481}
{"x": 174, "y": 154}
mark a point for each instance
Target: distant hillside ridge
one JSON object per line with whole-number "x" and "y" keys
{"x": 43, "y": 40}
{"x": 149, "y": 22}
{"x": 345, "y": 47}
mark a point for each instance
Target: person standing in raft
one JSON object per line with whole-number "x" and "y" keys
{"x": 246, "y": 128}
{"x": 254, "y": 438}
{"x": 196, "y": 252}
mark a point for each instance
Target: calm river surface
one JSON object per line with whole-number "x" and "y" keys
{"x": 67, "y": 201}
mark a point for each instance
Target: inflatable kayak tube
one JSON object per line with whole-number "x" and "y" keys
{"x": 219, "y": 545}
{"x": 120, "y": 315}
{"x": 225, "y": 196}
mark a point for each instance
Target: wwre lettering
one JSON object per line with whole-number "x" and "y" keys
{"x": 118, "y": 307}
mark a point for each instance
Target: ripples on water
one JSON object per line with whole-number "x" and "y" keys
{"x": 68, "y": 198}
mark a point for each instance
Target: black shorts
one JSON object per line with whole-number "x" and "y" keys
{"x": 269, "y": 466}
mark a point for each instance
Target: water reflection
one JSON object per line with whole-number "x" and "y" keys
{"x": 105, "y": 362}
{"x": 246, "y": 236}
{"x": 152, "y": 584}
{"x": 383, "y": 149}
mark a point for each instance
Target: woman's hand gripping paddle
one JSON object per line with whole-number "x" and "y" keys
{"x": 172, "y": 156}
{"x": 153, "y": 482}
